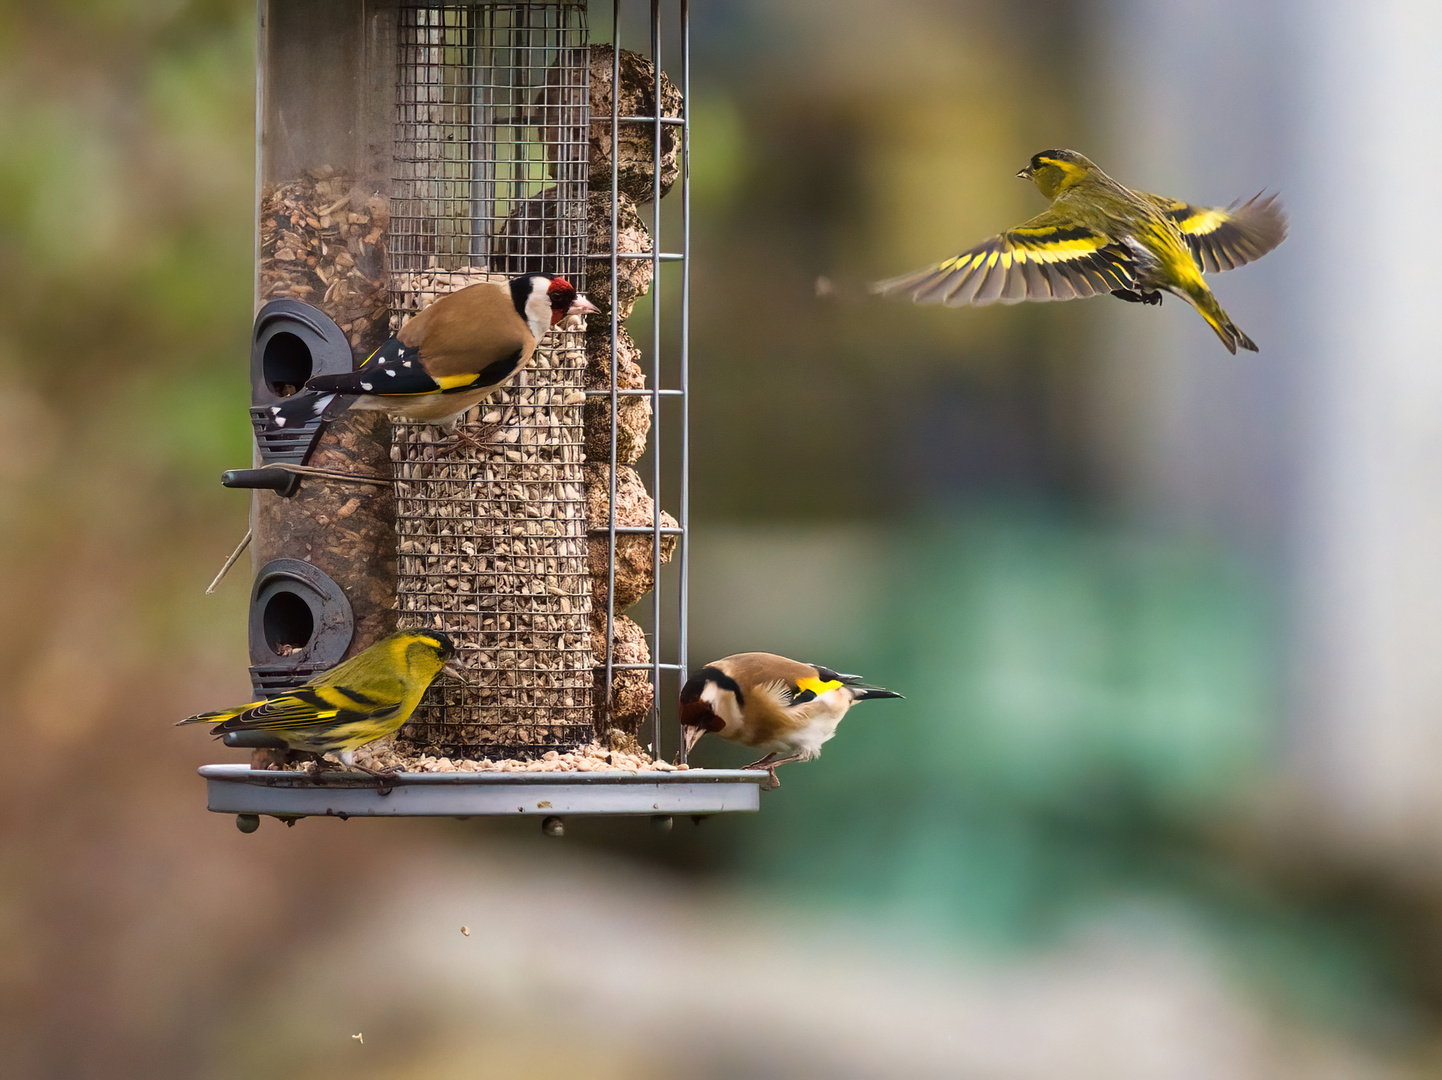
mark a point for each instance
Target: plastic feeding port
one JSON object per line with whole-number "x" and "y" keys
{"x": 290, "y": 343}
{"x": 300, "y": 625}
{"x": 286, "y": 363}
{"x": 287, "y": 623}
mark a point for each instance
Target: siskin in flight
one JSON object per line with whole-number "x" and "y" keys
{"x": 454, "y": 354}
{"x": 778, "y": 705}
{"x": 356, "y": 702}
{"x": 1097, "y": 237}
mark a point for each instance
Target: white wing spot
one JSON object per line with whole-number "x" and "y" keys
{"x": 367, "y": 386}
{"x": 391, "y": 373}
{"x": 280, "y": 421}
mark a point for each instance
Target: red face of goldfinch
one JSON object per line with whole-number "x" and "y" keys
{"x": 565, "y": 300}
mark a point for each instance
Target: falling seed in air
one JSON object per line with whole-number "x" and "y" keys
{"x": 359, "y": 1038}
{"x": 466, "y": 931}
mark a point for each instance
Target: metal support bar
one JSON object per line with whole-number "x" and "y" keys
{"x": 662, "y": 605}
{"x": 635, "y": 393}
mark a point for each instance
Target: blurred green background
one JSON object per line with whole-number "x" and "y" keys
{"x": 1158, "y": 802}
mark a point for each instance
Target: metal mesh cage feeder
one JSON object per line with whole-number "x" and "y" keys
{"x": 491, "y": 170}
{"x": 408, "y": 150}
{"x": 493, "y": 551}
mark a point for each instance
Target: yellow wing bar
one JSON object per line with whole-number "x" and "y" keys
{"x": 1223, "y": 239}
{"x": 1040, "y": 259}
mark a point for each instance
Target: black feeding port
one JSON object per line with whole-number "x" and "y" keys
{"x": 291, "y": 343}
{"x": 287, "y": 622}
{"x": 287, "y": 364}
{"x": 300, "y": 625}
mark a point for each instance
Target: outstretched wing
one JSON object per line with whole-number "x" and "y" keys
{"x": 1046, "y": 258}
{"x": 1223, "y": 239}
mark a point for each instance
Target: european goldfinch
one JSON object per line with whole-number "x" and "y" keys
{"x": 454, "y": 354}
{"x": 771, "y": 703}
{"x": 356, "y": 702}
{"x": 1097, "y": 237}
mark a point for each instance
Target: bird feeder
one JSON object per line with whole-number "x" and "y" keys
{"x": 407, "y": 150}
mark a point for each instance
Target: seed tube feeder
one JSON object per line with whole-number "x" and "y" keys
{"x": 407, "y": 150}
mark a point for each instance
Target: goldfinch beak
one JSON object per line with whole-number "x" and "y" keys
{"x": 582, "y": 306}
{"x": 692, "y": 735}
{"x": 1025, "y": 174}
{"x": 452, "y": 667}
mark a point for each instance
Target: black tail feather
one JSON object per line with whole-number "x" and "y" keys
{"x": 302, "y": 408}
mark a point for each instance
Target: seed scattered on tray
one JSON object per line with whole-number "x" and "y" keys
{"x": 592, "y": 758}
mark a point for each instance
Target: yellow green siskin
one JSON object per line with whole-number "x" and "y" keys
{"x": 356, "y": 702}
{"x": 1098, "y": 236}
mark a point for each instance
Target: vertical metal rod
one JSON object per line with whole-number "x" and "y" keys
{"x": 481, "y": 117}
{"x": 656, "y": 442}
{"x": 684, "y": 383}
{"x": 615, "y": 324}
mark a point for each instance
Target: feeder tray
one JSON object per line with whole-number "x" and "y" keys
{"x": 239, "y": 789}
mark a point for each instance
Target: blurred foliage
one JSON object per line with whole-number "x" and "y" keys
{"x": 1089, "y": 715}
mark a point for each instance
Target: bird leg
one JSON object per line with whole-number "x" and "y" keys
{"x": 383, "y": 776}
{"x": 1139, "y": 296}
{"x": 476, "y": 440}
{"x": 770, "y": 763}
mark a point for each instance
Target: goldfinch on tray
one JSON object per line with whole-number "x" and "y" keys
{"x": 781, "y": 706}
{"x": 1097, "y": 237}
{"x": 454, "y": 354}
{"x": 356, "y": 702}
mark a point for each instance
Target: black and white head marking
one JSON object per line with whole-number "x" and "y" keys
{"x": 533, "y": 303}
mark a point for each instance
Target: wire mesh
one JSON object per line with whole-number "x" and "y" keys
{"x": 492, "y": 550}
{"x": 491, "y": 139}
{"x": 490, "y": 181}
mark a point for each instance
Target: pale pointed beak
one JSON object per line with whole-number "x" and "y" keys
{"x": 691, "y": 735}
{"x": 1025, "y": 174}
{"x": 582, "y": 306}
{"x": 452, "y": 667}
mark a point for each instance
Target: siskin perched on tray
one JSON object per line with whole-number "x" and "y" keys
{"x": 356, "y": 702}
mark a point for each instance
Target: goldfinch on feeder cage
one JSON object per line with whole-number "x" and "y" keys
{"x": 356, "y": 702}
{"x": 1098, "y": 236}
{"x": 454, "y": 354}
{"x": 771, "y": 703}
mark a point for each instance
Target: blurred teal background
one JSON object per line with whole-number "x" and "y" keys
{"x": 1161, "y": 799}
